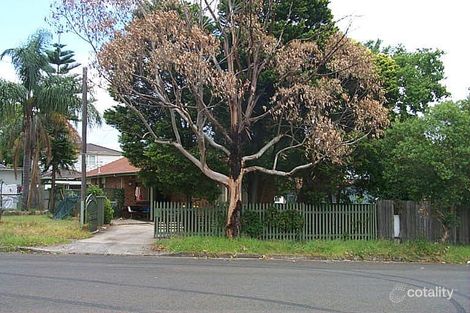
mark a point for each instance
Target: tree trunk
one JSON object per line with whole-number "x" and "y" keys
{"x": 445, "y": 234}
{"x": 232, "y": 228}
{"x": 27, "y": 158}
{"x": 52, "y": 194}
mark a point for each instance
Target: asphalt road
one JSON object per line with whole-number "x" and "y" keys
{"x": 73, "y": 283}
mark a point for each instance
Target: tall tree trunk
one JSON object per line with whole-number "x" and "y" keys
{"x": 232, "y": 229}
{"x": 53, "y": 189}
{"x": 33, "y": 198}
{"x": 27, "y": 158}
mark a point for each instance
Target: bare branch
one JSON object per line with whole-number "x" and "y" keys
{"x": 263, "y": 150}
{"x": 284, "y": 150}
{"x": 276, "y": 172}
{"x": 216, "y": 176}
{"x": 268, "y": 112}
{"x": 175, "y": 127}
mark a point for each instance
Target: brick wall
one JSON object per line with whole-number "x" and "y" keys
{"x": 128, "y": 183}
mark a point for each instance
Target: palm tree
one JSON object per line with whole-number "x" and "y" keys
{"x": 11, "y": 114}
{"x": 64, "y": 138}
{"x": 39, "y": 94}
{"x": 63, "y": 152}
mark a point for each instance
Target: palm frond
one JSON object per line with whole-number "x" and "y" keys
{"x": 12, "y": 97}
{"x": 57, "y": 94}
{"x": 30, "y": 60}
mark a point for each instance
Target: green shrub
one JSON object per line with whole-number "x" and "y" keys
{"x": 95, "y": 190}
{"x": 251, "y": 224}
{"x": 117, "y": 197}
{"x": 108, "y": 211}
{"x": 288, "y": 221}
{"x": 271, "y": 216}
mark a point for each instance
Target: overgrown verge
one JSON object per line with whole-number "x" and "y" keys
{"x": 37, "y": 230}
{"x": 374, "y": 250}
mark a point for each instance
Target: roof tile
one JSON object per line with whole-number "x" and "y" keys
{"x": 120, "y": 166}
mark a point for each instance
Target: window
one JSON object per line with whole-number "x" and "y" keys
{"x": 91, "y": 160}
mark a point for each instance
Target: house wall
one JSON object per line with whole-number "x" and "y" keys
{"x": 99, "y": 160}
{"x": 128, "y": 183}
{"x": 8, "y": 176}
{"x": 124, "y": 182}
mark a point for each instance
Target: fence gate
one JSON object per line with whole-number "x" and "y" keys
{"x": 94, "y": 212}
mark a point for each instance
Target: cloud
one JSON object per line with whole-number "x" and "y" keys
{"x": 7, "y": 71}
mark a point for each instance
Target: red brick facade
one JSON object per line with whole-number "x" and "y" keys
{"x": 126, "y": 182}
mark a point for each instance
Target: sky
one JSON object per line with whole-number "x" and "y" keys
{"x": 413, "y": 23}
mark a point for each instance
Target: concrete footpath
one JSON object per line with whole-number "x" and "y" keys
{"x": 123, "y": 237}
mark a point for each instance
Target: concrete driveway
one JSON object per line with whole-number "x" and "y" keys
{"x": 125, "y": 237}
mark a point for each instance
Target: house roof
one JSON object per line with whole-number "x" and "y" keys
{"x": 63, "y": 175}
{"x": 100, "y": 150}
{"x": 9, "y": 169}
{"x": 121, "y": 166}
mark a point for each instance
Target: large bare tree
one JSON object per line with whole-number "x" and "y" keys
{"x": 202, "y": 64}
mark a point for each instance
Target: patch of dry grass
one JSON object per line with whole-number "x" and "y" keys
{"x": 37, "y": 230}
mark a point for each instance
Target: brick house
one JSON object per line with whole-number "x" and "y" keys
{"x": 120, "y": 174}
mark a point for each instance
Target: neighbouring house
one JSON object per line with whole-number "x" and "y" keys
{"x": 8, "y": 176}
{"x": 66, "y": 179}
{"x": 97, "y": 156}
{"x": 10, "y": 184}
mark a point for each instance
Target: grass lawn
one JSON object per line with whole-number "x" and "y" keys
{"x": 380, "y": 250}
{"x": 37, "y": 230}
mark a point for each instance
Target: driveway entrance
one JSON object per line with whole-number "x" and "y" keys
{"x": 123, "y": 237}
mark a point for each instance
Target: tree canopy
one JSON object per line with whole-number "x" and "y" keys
{"x": 307, "y": 19}
{"x": 428, "y": 158}
{"x": 412, "y": 79}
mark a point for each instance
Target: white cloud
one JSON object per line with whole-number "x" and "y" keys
{"x": 7, "y": 71}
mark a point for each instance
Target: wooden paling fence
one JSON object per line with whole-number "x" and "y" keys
{"x": 418, "y": 221}
{"x": 320, "y": 221}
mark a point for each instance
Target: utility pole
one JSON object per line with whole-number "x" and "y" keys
{"x": 1, "y": 199}
{"x": 84, "y": 129}
{"x": 1, "y": 196}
